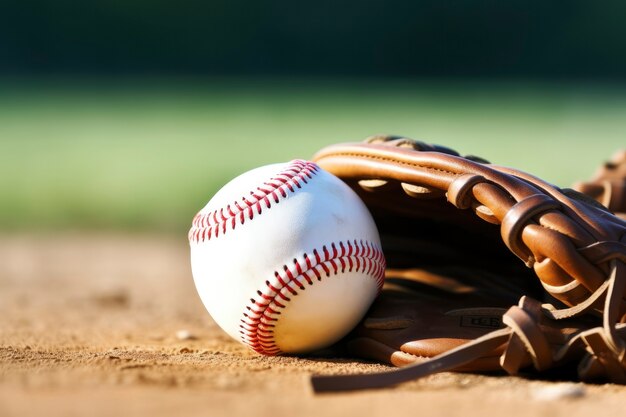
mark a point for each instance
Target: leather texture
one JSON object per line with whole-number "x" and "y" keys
{"x": 608, "y": 186}
{"x": 489, "y": 268}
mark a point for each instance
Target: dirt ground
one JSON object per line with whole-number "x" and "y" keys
{"x": 111, "y": 325}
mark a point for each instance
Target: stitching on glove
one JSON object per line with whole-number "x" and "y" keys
{"x": 394, "y": 161}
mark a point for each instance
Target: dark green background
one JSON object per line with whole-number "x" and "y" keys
{"x": 433, "y": 38}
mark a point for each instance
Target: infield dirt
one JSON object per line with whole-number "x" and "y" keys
{"x": 103, "y": 324}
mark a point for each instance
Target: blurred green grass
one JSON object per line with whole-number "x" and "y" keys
{"x": 136, "y": 155}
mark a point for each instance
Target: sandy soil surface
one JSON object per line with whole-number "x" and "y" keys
{"x": 112, "y": 325}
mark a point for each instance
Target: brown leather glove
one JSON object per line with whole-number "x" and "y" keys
{"x": 450, "y": 229}
{"x": 608, "y": 186}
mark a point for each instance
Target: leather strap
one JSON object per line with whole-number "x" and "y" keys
{"x": 445, "y": 362}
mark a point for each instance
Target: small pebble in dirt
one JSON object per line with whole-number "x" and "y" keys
{"x": 185, "y": 350}
{"x": 185, "y": 335}
{"x": 558, "y": 392}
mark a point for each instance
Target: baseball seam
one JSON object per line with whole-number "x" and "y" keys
{"x": 206, "y": 226}
{"x": 263, "y": 312}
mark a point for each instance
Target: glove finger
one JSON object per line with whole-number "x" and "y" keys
{"x": 425, "y": 349}
{"x": 367, "y": 348}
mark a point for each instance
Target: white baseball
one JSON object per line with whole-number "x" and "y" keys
{"x": 286, "y": 258}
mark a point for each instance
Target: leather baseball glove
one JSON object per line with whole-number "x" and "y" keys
{"x": 465, "y": 242}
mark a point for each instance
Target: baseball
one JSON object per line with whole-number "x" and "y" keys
{"x": 286, "y": 258}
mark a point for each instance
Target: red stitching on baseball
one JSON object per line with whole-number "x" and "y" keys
{"x": 205, "y": 226}
{"x": 256, "y": 329}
